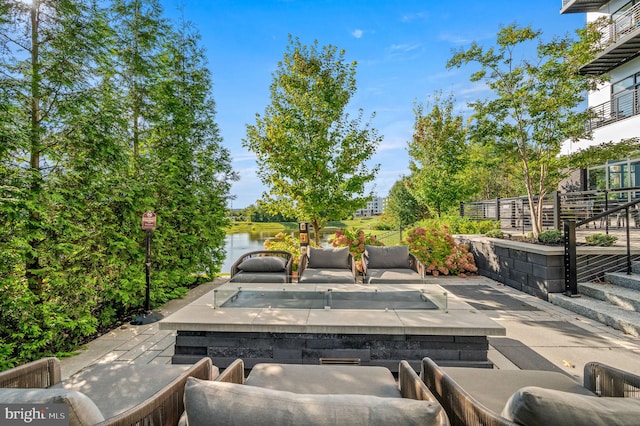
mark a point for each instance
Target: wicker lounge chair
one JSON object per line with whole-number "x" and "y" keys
{"x": 392, "y": 264}
{"x": 147, "y": 403}
{"x": 334, "y": 266}
{"x": 479, "y": 396}
{"x": 287, "y": 394}
{"x": 263, "y": 266}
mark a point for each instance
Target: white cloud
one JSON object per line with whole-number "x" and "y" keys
{"x": 405, "y": 47}
{"x": 358, "y": 33}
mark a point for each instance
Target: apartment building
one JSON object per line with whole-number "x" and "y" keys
{"x": 616, "y": 104}
{"x": 374, "y": 207}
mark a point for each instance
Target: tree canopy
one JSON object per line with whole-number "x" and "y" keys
{"x": 311, "y": 154}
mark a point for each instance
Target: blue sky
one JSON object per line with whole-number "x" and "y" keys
{"x": 401, "y": 48}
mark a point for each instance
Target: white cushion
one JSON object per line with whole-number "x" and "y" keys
{"x": 82, "y": 410}
{"x": 531, "y": 406}
{"x": 209, "y": 402}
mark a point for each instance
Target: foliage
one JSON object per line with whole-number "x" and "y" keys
{"x": 106, "y": 113}
{"x": 402, "y": 209}
{"x": 287, "y": 242}
{"x": 438, "y": 157}
{"x": 494, "y": 233}
{"x": 551, "y": 237}
{"x": 460, "y": 225}
{"x": 356, "y": 240}
{"x": 311, "y": 154}
{"x": 439, "y": 252}
{"x": 601, "y": 240}
{"x": 533, "y": 108}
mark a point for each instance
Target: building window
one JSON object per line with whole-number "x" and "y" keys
{"x": 614, "y": 175}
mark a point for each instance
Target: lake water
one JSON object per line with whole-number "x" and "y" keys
{"x": 236, "y": 245}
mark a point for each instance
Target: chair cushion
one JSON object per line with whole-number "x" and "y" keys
{"x": 337, "y": 258}
{"x": 263, "y": 264}
{"x": 546, "y": 407}
{"x": 393, "y": 275}
{"x": 260, "y": 277}
{"x": 82, "y": 410}
{"x": 235, "y": 404}
{"x": 335, "y": 276}
{"x": 387, "y": 257}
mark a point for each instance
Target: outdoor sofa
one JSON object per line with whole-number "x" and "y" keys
{"x": 292, "y": 394}
{"x": 106, "y": 394}
{"x": 263, "y": 266}
{"x": 480, "y": 396}
{"x": 391, "y": 264}
{"x": 327, "y": 265}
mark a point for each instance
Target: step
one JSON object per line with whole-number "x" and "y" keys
{"x": 620, "y": 319}
{"x": 622, "y": 297}
{"x": 624, "y": 280}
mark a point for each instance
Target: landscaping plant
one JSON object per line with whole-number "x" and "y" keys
{"x": 601, "y": 240}
{"x": 440, "y": 252}
{"x": 356, "y": 240}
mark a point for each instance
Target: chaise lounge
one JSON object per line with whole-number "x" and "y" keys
{"x": 263, "y": 266}
{"x": 391, "y": 264}
{"x": 330, "y": 265}
{"x": 292, "y": 394}
{"x": 479, "y": 396}
{"x": 106, "y": 394}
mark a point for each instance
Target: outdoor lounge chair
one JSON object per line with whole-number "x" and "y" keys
{"x": 263, "y": 266}
{"x": 392, "y": 264}
{"x": 294, "y": 394}
{"x": 333, "y": 265}
{"x": 106, "y": 394}
{"x": 479, "y": 396}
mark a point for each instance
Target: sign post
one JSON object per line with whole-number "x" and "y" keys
{"x": 148, "y": 225}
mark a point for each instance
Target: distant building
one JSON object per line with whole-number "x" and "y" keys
{"x": 374, "y": 207}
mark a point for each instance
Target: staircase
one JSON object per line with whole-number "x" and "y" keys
{"x": 615, "y": 302}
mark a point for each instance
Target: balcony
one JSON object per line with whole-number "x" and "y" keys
{"x": 581, "y": 6}
{"x": 622, "y": 105}
{"x": 620, "y": 42}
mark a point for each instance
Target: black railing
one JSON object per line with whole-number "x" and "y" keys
{"x": 570, "y": 241}
{"x": 515, "y": 213}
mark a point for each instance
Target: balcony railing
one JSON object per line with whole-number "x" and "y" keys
{"x": 621, "y": 26}
{"x": 623, "y": 105}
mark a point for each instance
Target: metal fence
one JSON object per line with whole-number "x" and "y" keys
{"x": 515, "y": 213}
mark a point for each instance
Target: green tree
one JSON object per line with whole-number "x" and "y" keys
{"x": 310, "y": 153}
{"x": 438, "y": 153}
{"x": 533, "y": 110}
{"x": 402, "y": 208}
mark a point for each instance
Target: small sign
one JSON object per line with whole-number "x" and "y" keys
{"x": 149, "y": 221}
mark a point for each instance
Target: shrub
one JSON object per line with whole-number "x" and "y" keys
{"x": 601, "y": 240}
{"x": 439, "y": 252}
{"x": 460, "y": 225}
{"x": 552, "y": 237}
{"x": 355, "y": 239}
{"x": 287, "y": 242}
{"x": 494, "y": 233}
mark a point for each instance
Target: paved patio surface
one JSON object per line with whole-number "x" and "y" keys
{"x": 539, "y": 335}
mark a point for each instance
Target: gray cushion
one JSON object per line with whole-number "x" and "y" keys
{"x": 387, "y": 257}
{"x": 82, "y": 410}
{"x": 325, "y": 379}
{"x": 116, "y": 387}
{"x": 393, "y": 275}
{"x": 263, "y": 264}
{"x": 532, "y": 406}
{"x": 260, "y": 277}
{"x": 335, "y": 276}
{"x": 505, "y": 382}
{"x": 337, "y": 258}
{"x": 209, "y": 402}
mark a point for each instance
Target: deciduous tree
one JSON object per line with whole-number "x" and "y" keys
{"x": 311, "y": 154}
